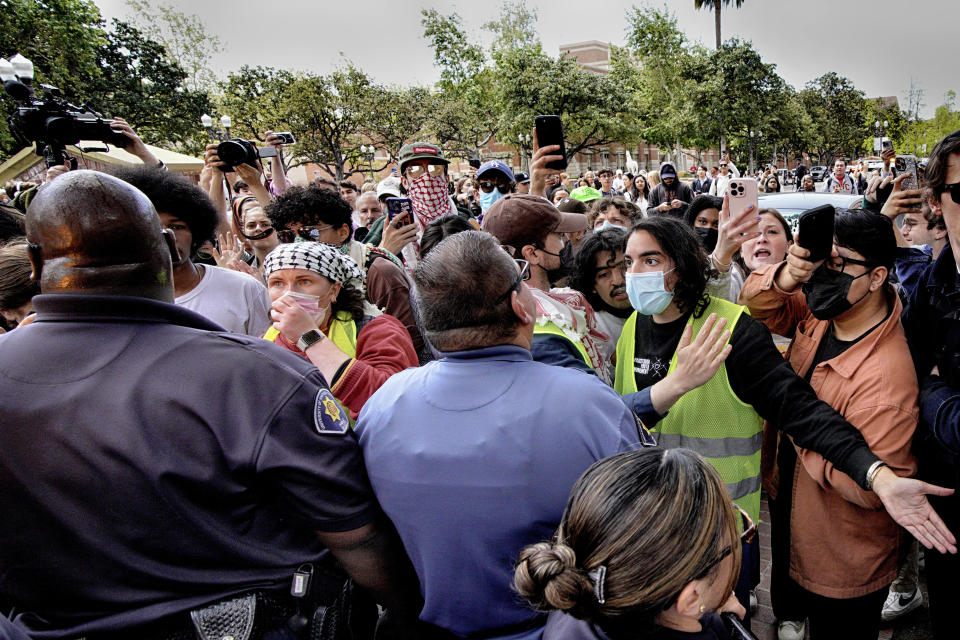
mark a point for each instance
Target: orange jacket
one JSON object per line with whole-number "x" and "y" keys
{"x": 842, "y": 543}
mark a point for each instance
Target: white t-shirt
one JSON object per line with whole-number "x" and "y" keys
{"x": 236, "y": 301}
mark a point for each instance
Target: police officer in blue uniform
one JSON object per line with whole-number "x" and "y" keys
{"x": 152, "y": 464}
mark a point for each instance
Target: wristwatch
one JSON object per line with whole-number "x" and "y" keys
{"x": 309, "y": 338}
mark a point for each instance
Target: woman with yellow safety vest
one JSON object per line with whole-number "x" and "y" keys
{"x": 317, "y": 294}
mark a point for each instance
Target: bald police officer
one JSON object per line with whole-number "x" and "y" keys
{"x": 152, "y": 464}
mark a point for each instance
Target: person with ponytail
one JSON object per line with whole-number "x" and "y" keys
{"x": 648, "y": 547}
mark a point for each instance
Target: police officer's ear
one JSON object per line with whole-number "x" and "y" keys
{"x": 171, "y": 241}
{"x": 36, "y": 261}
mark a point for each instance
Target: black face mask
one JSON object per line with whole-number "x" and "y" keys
{"x": 708, "y": 237}
{"x": 566, "y": 264}
{"x": 827, "y": 290}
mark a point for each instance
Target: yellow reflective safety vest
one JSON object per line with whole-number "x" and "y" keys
{"x": 552, "y": 329}
{"x": 342, "y": 332}
{"x": 710, "y": 419}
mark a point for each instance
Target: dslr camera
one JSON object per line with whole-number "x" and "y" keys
{"x": 239, "y": 151}
{"x": 51, "y": 123}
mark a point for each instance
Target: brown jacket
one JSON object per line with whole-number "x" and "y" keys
{"x": 843, "y": 544}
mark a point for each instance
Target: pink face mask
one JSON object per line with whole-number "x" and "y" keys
{"x": 430, "y": 197}
{"x": 310, "y": 304}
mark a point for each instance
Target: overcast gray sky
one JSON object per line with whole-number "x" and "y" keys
{"x": 879, "y": 44}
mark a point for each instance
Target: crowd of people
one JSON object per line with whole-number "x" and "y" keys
{"x": 498, "y": 405}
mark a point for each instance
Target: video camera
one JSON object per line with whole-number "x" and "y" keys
{"x": 47, "y": 120}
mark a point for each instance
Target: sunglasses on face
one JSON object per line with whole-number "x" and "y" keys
{"x": 954, "y": 190}
{"x": 307, "y": 233}
{"x": 414, "y": 171}
{"x": 488, "y": 185}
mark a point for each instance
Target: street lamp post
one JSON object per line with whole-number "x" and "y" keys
{"x": 217, "y": 134}
{"x": 524, "y": 140}
{"x": 368, "y": 153}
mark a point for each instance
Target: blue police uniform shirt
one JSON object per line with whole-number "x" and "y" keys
{"x": 473, "y": 457}
{"x": 150, "y": 465}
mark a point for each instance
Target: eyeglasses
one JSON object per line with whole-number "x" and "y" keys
{"x": 954, "y": 190}
{"x": 487, "y": 186}
{"x": 414, "y": 171}
{"x": 748, "y": 530}
{"x": 522, "y": 276}
{"x": 840, "y": 263}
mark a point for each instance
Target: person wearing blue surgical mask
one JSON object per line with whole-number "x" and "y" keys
{"x": 495, "y": 180}
{"x": 703, "y": 374}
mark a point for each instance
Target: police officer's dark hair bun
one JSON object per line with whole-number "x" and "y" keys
{"x": 547, "y": 576}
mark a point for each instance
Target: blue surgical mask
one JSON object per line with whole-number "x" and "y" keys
{"x": 609, "y": 225}
{"x": 487, "y": 199}
{"x": 647, "y": 293}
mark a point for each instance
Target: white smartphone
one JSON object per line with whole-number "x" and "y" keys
{"x": 743, "y": 192}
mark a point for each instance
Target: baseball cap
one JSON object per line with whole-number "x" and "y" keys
{"x": 667, "y": 170}
{"x": 517, "y": 220}
{"x": 585, "y": 194}
{"x": 495, "y": 165}
{"x": 420, "y": 151}
{"x": 389, "y": 186}
{"x": 522, "y": 177}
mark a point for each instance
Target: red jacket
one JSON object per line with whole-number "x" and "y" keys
{"x": 383, "y": 349}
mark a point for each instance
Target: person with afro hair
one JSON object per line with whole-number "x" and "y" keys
{"x": 236, "y": 301}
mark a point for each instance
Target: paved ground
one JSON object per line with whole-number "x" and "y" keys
{"x": 914, "y": 626}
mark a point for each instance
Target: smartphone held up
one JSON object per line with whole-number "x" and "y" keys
{"x": 550, "y": 131}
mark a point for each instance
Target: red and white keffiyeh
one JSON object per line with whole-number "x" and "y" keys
{"x": 571, "y": 312}
{"x": 430, "y": 198}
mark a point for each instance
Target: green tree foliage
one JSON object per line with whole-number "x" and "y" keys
{"x": 184, "y": 37}
{"x": 254, "y": 97}
{"x": 119, "y": 72}
{"x": 837, "y": 109}
{"x": 137, "y": 82}
{"x": 465, "y": 112}
{"x": 326, "y": 113}
{"x": 733, "y": 92}
{"x": 60, "y": 37}
{"x": 395, "y": 116}
{"x": 653, "y": 70}
{"x": 592, "y": 107}
{"x": 459, "y": 59}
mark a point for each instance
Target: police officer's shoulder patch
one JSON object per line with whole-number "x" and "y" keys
{"x": 646, "y": 439}
{"x": 328, "y": 416}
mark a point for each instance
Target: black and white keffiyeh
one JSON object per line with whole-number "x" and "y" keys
{"x": 320, "y": 258}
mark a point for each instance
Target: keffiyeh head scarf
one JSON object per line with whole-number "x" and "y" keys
{"x": 319, "y": 258}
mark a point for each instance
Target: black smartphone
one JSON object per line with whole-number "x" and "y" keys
{"x": 402, "y": 208}
{"x": 815, "y": 232}
{"x": 738, "y": 630}
{"x": 550, "y": 131}
{"x": 287, "y": 137}
{"x": 886, "y": 144}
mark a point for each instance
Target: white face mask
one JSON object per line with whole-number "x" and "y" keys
{"x": 310, "y": 304}
{"x": 647, "y": 292}
{"x": 609, "y": 225}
